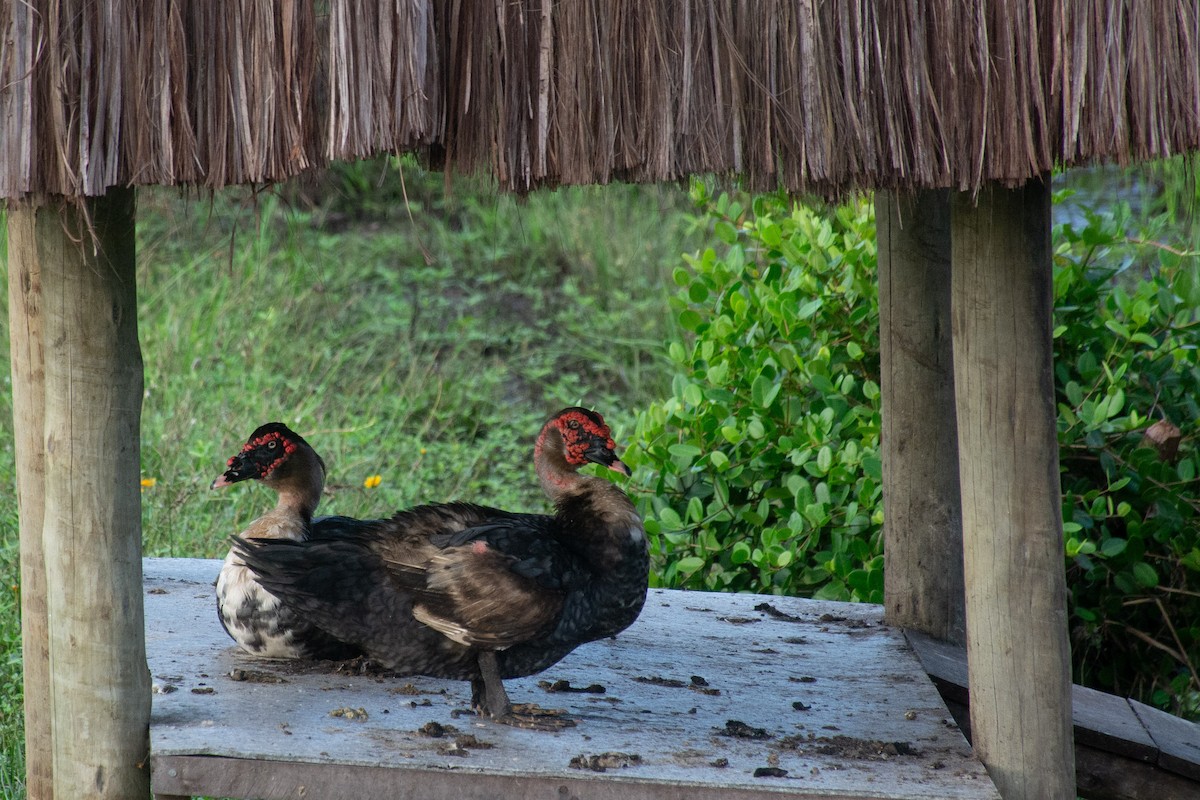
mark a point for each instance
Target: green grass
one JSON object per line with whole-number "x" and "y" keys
{"x": 427, "y": 351}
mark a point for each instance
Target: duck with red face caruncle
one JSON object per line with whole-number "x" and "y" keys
{"x": 466, "y": 591}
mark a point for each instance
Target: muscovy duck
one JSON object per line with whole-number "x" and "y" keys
{"x": 261, "y": 625}
{"x": 468, "y": 592}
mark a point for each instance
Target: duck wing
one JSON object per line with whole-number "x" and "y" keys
{"x": 490, "y": 585}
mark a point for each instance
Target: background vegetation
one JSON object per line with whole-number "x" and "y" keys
{"x": 421, "y": 337}
{"x": 764, "y": 460}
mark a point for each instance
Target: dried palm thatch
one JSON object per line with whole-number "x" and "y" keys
{"x": 812, "y": 95}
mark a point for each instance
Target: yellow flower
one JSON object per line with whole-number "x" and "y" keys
{"x": 148, "y": 482}
{"x": 372, "y": 481}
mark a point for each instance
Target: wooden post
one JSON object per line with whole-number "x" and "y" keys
{"x": 99, "y": 687}
{"x": 28, "y": 390}
{"x": 1017, "y": 646}
{"x": 922, "y": 529}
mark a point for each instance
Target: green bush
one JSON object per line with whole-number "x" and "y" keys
{"x": 1125, "y": 359}
{"x": 761, "y": 471}
{"x": 764, "y": 465}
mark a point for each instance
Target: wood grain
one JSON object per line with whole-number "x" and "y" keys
{"x": 923, "y": 584}
{"x": 25, "y": 253}
{"x": 1011, "y": 500}
{"x": 100, "y": 688}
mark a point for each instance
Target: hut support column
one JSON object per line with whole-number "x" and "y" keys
{"x": 923, "y": 582}
{"x": 29, "y": 399}
{"x": 1020, "y": 671}
{"x": 77, "y": 382}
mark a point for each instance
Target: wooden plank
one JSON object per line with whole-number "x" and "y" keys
{"x": 1102, "y": 775}
{"x": 1107, "y": 722}
{"x": 944, "y": 662}
{"x": 1102, "y": 721}
{"x": 923, "y": 583}
{"x": 99, "y": 685}
{"x": 29, "y": 402}
{"x": 1011, "y": 501}
{"x": 1177, "y": 739}
{"x": 825, "y": 682}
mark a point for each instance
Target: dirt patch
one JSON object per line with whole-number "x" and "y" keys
{"x": 849, "y": 747}
{"x": 603, "y": 762}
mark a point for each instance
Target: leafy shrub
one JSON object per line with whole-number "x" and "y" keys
{"x": 764, "y": 462}
{"x": 1125, "y": 359}
{"x": 762, "y": 473}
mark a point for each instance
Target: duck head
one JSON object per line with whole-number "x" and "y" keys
{"x": 269, "y": 455}
{"x": 570, "y": 439}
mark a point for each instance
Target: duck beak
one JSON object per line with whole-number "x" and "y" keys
{"x": 601, "y": 453}
{"x": 619, "y": 466}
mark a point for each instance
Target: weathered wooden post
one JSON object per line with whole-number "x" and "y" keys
{"x": 75, "y": 347}
{"x": 923, "y": 582}
{"x": 1020, "y": 677}
{"x": 29, "y": 402}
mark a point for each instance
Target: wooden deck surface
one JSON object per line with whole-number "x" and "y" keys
{"x": 706, "y": 696}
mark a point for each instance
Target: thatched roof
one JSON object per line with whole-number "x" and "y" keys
{"x": 813, "y": 95}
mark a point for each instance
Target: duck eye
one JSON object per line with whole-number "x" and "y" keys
{"x": 574, "y": 424}
{"x": 271, "y": 445}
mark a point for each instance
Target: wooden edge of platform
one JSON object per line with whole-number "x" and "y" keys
{"x": 1124, "y": 749}
{"x": 180, "y": 776}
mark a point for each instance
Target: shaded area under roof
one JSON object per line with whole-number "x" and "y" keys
{"x": 810, "y": 95}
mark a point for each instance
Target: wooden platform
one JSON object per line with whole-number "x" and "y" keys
{"x": 1124, "y": 750}
{"x": 707, "y": 696}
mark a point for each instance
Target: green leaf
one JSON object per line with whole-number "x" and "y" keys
{"x": 1116, "y": 401}
{"x": 808, "y": 309}
{"x": 873, "y": 467}
{"x": 825, "y": 458}
{"x": 1186, "y": 469}
{"x": 717, "y": 373}
{"x": 1074, "y": 393}
{"x": 725, "y": 232}
{"x": 1145, "y": 575}
{"x": 693, "y": 395}
{"x": 689, "y": 564}
{"x": 739, "y": 553}
{"x": 669, "y": 518}
{"x": 1113, "y": 547}
{"x": 689, "y": 320}
{"x": 1118, "y": 328}
{"x": 770, "y": 235}
{"x": 764, "y": 391}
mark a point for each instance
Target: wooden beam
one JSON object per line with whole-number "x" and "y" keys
{"x": 28, "y": 390}
{"x": 99, "y": 687}
{"x": 923, "y": 582}
{"x": 1017, "y": 643}
{"x": 1116, "y": 758}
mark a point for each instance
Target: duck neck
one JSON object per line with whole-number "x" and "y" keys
{"x": 554, "y": 473}
{"x": 300, "y": 486}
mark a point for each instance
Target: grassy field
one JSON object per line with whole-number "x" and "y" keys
{"x": 426, "y": 350}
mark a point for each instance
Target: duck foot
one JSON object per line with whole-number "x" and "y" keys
{"x": 489, "y": 699}
{"x": 533, "y": 717}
